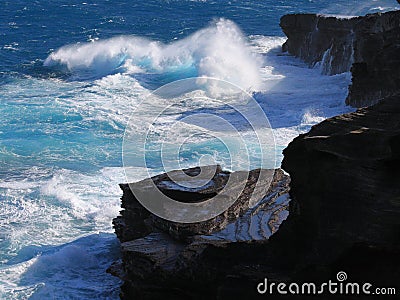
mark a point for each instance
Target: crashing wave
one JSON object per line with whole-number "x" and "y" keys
{"x": 220, "y": 51}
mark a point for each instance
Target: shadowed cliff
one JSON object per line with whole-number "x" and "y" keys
{"x": 368, "y": 46}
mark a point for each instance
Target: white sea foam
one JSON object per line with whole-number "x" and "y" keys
{"x": 54, "y": 209}
{"x": 32, "y": 216}
{"x": 219, "y": 51}
{"x": 76, "y": 268}
{"x": 294, "y": 96}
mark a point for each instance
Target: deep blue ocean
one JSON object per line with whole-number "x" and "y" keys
{"x": 71, "y": 73}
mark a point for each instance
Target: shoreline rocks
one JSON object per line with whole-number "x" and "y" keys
{"x": 368, "y": 46}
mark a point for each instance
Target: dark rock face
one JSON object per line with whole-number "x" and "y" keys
{"x": 376, "y": 68}
{"x": 183, "y": 261}
{"x": 345, "y": 190}
{"x": 317, "y": 38}
{"x": 368, "y": 46}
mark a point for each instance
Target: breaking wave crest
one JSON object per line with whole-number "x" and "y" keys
{"x": 220, "y": 51}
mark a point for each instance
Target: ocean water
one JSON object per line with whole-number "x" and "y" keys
{"x": 72, "y": 73}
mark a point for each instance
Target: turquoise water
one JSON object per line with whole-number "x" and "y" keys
{"x": 71, "y": 73}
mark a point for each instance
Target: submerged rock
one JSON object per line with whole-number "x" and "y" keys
{"x": 367, "y": 46}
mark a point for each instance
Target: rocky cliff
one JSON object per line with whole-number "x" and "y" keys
{"x": 367, "y": 46}
{"x": 345, "y": 190}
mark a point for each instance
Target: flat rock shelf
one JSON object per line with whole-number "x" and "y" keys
{"x": 160, "y": 257}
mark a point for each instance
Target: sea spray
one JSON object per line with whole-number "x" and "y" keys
{"x": 219, "y": 50}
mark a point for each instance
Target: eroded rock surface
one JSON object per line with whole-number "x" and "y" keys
{"x": 161, "y": 258}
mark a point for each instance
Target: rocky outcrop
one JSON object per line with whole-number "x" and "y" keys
{"x": 367, "y": 46}
{"x": 345, "y": 190}
{"x": 135, "y": 220}
{"x": 164, "y": 259}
